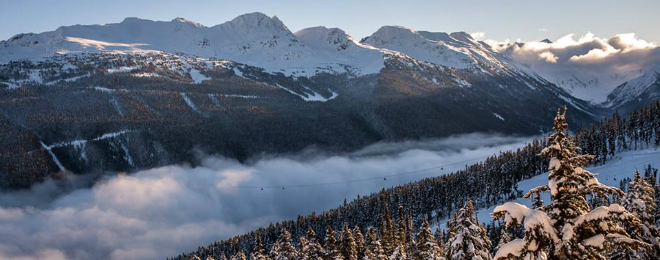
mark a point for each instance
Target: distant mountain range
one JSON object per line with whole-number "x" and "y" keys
{"x": 140, "y": 93}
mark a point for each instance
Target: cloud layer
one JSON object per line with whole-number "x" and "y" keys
{"x": 165, "y": 211}
{"x": 600, "y": 64}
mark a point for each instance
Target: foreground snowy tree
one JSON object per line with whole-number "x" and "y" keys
{"x": 427, "y": 246}
{"x": 467, "y": 238}
{"x": 567, "y": 228}
{"x": 640, "y": 201}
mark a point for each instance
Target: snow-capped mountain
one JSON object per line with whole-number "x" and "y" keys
{"x": 640, "y": 91}
{"x": 585, "y": 85}
{"x": 247, "y": 87}
{"x": 253, "y": 39}
{"x": 456, "y": 50}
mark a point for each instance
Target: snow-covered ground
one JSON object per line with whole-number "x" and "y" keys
{"x": 609, "y": 174}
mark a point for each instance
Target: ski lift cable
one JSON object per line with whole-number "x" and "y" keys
{"x": 384, "y": 177}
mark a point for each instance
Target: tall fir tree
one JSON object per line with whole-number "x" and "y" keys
{"x": 238, "y": 256}
{"x": 427, "y": 247}
{"x": 310, "y": 248}
{"x": 359, "y": 242}
{"x": 374, "y": 246}
{"x": 283, "y": 248}
{"x": 567, "y": 228}
{"x": 467, "y": 237}
{"x": 332, "y": 250}
{"x": 258, "y": 252}
{"x": 348, "y": 246}
{"x": 640, "y": 201}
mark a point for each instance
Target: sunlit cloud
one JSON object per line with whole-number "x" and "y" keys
{"x": 478, "y": 35}
{"x": 604, "y": 62}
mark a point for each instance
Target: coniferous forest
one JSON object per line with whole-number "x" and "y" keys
{"x": 605, "y": 222}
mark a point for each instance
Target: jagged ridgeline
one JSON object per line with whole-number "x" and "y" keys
{"x": 245, "y": 88}
{"x": 480, "y": 185}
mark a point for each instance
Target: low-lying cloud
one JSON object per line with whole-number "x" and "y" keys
{"x": 601, "y": 62}
{"x": 166, "y": 211}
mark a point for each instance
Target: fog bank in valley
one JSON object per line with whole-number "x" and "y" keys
{"x": 161, "y": 212}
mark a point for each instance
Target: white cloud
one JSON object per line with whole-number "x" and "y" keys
{"x": 478, "y": 35}
{"x": 543, "y": 30}
{"x": 602, "y": 63}
{"x": 165, "y": 211}
{"x": 548, "y": 57}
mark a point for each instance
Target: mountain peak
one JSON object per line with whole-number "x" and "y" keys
{"x": 186, "y": 21}
{"x": 133, "y": 20}
{"x": 462, "y": 36}
{"x": 321, "y": 34}
{"x": 257, "y": 21}
{"x": 391, "y": 34}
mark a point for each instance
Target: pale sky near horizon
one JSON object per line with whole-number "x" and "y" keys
{"x": 526, "y": 20}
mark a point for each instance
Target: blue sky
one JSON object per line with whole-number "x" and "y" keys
{"x": 499, "y": 20}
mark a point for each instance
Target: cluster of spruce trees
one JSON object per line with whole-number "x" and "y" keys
{"x": 483, "y": 184}
{"x": 639, "y": 130}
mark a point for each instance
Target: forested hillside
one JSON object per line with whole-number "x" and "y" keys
{"x": 415, "y": 205}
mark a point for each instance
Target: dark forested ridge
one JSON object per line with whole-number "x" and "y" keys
{"x": 96, "y": 113}
{"x": 483, "y": 184}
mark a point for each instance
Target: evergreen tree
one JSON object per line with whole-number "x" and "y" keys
{"x": 310, "y": 248}
{"x": 440, "y": 240}
{"x": 427, "y": 247}
{"x": 467, "y": 238}
{"x": 567, "y": 228}
{"x": 239, "y": 256}
{"x": 348, "y": 245}
{"x": 359, "y": 241}
{"x": 332, "y": 250}
{"x": 258, "y": 252}
{"x": 374, "y": 247}
{"x": 640, "y": 201}
{"x": 283, "y": 248}
{"x": 388, "y": 232}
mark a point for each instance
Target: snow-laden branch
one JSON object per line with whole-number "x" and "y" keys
{"x": 533, "y": 220}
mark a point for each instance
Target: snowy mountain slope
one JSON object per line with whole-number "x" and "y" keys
{"x": 609, "y": 174}
{"x": 456, "y": 50}
{"x": 585, "y": 85}
{"x": 636, "y": 92}
{"x": 253, "y": 39}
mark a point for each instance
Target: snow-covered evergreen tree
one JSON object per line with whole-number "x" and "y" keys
{"x": 310, "y": 248}
{"x": 504, "y": 238}
{"x": 388, "y": 233}
{"x": 467, "y": 238}
{"x": 258, "y": 252}
{"x": 348, "y": 245}
{"x": 640, "y": 201}
{"x": 427, "y": 247}
{"x": 283, "y": 248}
{"x": 238, "y": 256}
{"x": 332, "y": 250}
{"x": 359, "y": 241}
{"x": 374, "y": 247}
{"x": 567, "y": 228}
